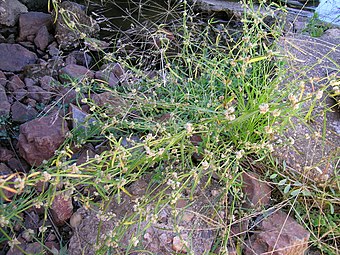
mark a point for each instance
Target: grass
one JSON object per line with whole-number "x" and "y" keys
{"x": 213, "y": 110}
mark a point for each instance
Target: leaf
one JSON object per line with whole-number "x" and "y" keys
{"x": 295, "y": 192}
{"x": 331, "y": 207}
{"x": 287, "y": 188}
{"x": 273, "y": 176}
{"x": 282, "y": 182}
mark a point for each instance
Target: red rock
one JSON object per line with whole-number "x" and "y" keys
{"x": 5, "y": 154}
{"x": 22, "y": 113}
{"x": 279, "y": 234}
{"x": 4, "y": 104}
{"x": 110, "y": 78}
{"x": 18, "y": 165}
{"x": 38, "y": 94}
{"x": 42, "y": 38}
{"x": 47, "y": 82}
{"x": 53, "y": 247}
{"x": 14, "y": 57}
{"x": 15, "y": 83}
{"x": 31, "y": 22}
{"x": 257, "y": 192}
{"x": 74, "y": 72}
{"x": 40, "y": 138}
{"x": 61, "y": 209}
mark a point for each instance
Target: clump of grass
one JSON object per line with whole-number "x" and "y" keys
{"x": 225, "y": 90}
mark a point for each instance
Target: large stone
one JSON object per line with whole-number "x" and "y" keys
{"x": 14, "y": 57}
{"x": 74, "y": 25}
{"x": 22, "y": 113}
{"x": 61, "y": 209}
{"x": 278, "y": 234}
{"x": 40, "y": 138}
{"x": 4, "y": 104}
{"x": 31, "y": 22}
{"x": 74, "y": 72}
{"x": 10, "y": 11}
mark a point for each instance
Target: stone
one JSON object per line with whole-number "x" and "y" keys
{"x": 61, "y": 209}
{"x": 5, "y": 106}
{"x": 84, "y": 25}
{"x": 10, "y": 11}
{"x": 20, "y": 94}
{"x": 179, "y": 243}
{"x": 41, "y": 40}
{"x": 15, "y": 83}
{"x": 3, "y": 79}
{"x": 46, "y": 82}
{"x": 257, "y": 191}
{"x": 79, "y": 58}
{"x": 38, "y": 94}
{"x": 18, "y": 165}
{"x": 110, "y": 78}
{"x": 22, "y": 113}
{"x": 73, "y": 72}
{"x": 6, "y": 154}
{"x": 14, "y": 57}
{"x": 40, "y": 138}
{"x": 278, "y": 234}
{"x": 75, "y": 220}
{"x": 31, "y": 22}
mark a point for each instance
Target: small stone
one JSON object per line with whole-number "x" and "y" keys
{"x": 6, "y": 155}
{"x": 74, "y": 72}
{"x": 42, "y": 38}
{"x": 61, "y": 209}
{"x": 5, "y": 106}
{"x": 257, "y": 192}
{"x": 20, "y": 94}
{"x": 15, "y": 83}
{"x": 47, "y": 82}
{"x": 10, "y": 11}
{"x": 179, "y": 243}
{"x": 31, "y": 22}
{"x": 22, "y": 113}
{"x": 75, "y": 220}
{"x": 38, "y": 94}
{"x": 3, "y": 79}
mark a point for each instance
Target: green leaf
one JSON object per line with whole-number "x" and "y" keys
{"x": 287, "y": 188}
{"x": 295, "y": 192}
{"x": 273, "y": 176}
{"x": 282, "y": 182}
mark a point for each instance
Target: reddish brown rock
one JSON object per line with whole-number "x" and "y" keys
{"x": 6, "y": 154}
{"x": 61, "y": 209}
{"x": 14, "y": 57}
{"x": 42, "y": 38}
{"x": 257, "y": 191}
{"x": 74, "y": 72}
{"x": 40, "y": 138}
{"x": 22, "y": 113}
{"x": 15, "y": 83}
{"x": 38, "y": 94}
{"x": 31, "y": 22}
{"x": 4, "y": 104}
{"x": 279, "y": 234}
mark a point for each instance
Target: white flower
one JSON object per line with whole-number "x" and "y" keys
{"x": 276, "y": 113}
{"x": 189, "y": 128}
{"x": 239, "y": 154}
{"x": 319, "y": 94}
{"x": 264, "y": 108}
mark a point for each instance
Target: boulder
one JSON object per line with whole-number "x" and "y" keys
{"x": 14, "y": 57}
{"x": 74, "y": 25}
{"x": 31, "y": 22}
{"x": 10, "y": 11}
{"x": 4, "y": 104}
{"x": 22, "y": 113}
{"x": 278, "y": 234}
{"x": 40, "y": 138}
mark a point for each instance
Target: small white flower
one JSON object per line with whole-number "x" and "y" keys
{"x": 276, "y": 113}
{"x": 319, "y": 94}
{"x": 189, "y": 128}
{"x": 239, "y": 154}
{"x": 205, "y": 165}
{"x": 264, "y": 108}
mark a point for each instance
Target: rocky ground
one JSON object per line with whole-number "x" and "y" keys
{"x": 39, "y": 59}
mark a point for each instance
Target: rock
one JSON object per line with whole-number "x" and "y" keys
{"x": 31, "y": 22}
{"x": 6, "y": 154}
{"x": 278, "y": 234}
{"x": 38, "y": 94}
{"x": 46, "y": 82}
{"x": 42, "y": 38}
{"x": 4, "y": 104}
{"x": 53, "y": 247}
{"x": 75, "y": 220}
{"x": 257, "y": 192}
{"x": 10, "y": 11}
{"x": 3, "y": 79}
{"x": 83, "y": 25}
{"x": 18, "y": 165}
{"x": 179, "y": 243}
{"x": 14, "y": 57}
{"x": 74, "y": 72}
{"x": 79, "y": 58}
{"x": 15, "y": 83}
{"x": 61, "y": 209}
{"x": 40, "y": 138}
{"x": 110, "y": 78}
{"x": 20, "y": 94}
{"x": 22, "y": 113}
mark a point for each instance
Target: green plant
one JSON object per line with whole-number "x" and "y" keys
{"x": 316, "y": 27}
